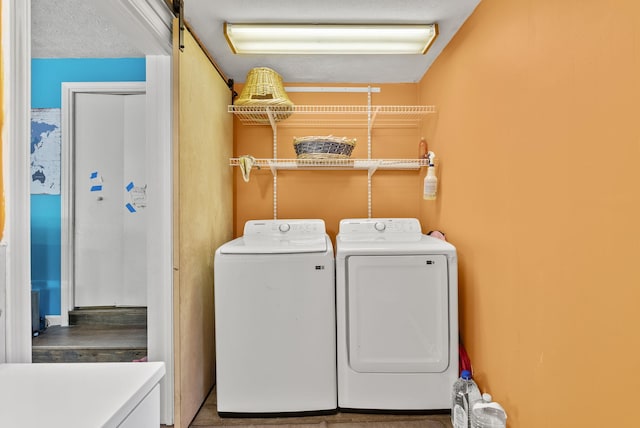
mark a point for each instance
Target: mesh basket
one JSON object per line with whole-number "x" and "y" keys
{"x": 263, "y": 88}
{"x": 329, "y": 147}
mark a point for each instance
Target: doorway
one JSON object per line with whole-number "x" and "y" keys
{"x": 103, "y": 196}
{"x": 104, "y": 257}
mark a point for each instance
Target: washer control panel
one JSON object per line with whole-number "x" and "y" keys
{"x": 282, "y": 228}
{"x": 373, "y": 227}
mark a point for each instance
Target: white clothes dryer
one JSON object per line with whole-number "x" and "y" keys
{"x": 275, "y": 320}
{"x": 397, "y": 316}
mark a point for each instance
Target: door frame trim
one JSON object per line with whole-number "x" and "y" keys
{"x": 16, "y": 30}
{"x": 160, "y": 245}
{"x": 69, "y": 90}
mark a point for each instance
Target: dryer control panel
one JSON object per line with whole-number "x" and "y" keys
{"x": 290, "y": 228}
{"x": 376, "y": 227}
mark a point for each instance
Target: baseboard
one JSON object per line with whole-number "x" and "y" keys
{"x": 53, "y": 320}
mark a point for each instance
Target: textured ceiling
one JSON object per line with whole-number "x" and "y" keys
{"x": 75, "y": 28}
{"x": 207, "y": 18}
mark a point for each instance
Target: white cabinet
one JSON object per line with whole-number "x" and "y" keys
{"x": 68, "y": 395}
{"x": 3, "y": 285}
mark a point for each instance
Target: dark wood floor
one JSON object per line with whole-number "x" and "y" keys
{"x": 102, "y": 334}
{"x": 208, "y": 417}
{"x": 89, "y": 344}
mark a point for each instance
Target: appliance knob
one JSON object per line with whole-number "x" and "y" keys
{"x": 380, "y": 226}
{"x": 284, "y": 227}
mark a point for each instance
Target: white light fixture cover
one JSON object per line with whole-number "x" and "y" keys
{"x": 330, "y": 38}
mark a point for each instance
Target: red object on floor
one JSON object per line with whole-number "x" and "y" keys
{"x": 465, "y": 361}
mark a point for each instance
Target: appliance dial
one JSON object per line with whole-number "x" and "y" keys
{"x": 380, "y": 226}
{"x": 284, "y": 227}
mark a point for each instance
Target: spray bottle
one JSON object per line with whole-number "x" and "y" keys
{"x": 430, "y": 180}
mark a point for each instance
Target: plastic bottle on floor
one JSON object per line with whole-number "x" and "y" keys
{"x": 488, "y": 414}
{"x": 473, "y": 417}
{"x": 464, "y": 395}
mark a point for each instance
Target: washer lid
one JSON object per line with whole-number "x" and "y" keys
{"x": 279, "y": 237}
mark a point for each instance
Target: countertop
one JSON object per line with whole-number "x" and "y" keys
{"x": 73, "y": 394}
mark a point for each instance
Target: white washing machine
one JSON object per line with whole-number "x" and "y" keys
{"x": 397, "y": 317}
{"x": 275, "y": 320}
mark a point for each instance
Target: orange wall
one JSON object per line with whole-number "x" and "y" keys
{"x": 538, "y": 134}
{"x": 330, "y": 195}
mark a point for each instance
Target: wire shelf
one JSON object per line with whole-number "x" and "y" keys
{"x": 335, "y": 116}
{"x": 342, "y": 115}
{"x": 370, "y": 165}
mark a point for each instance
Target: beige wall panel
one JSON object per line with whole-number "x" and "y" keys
{"x": 203, "y": 216}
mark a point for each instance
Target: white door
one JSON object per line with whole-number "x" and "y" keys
{"x": 398, "y": 317}
{"x": 110, "y": 230}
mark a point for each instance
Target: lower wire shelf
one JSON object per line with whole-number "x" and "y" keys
{"x": 371, "y": 165}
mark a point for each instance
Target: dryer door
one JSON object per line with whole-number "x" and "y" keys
{"x": 398, "y": 313}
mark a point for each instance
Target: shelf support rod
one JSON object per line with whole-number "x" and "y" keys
{"x": 373, "y": 117}
{"x": 370, "y": 173}
{"x": 318, "y": 89}
{"x": 272, "y": 166}
{"x": 272, "y": 120}
{"x": 373, "y": 168}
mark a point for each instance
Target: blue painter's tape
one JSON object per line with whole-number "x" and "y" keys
{"x": 96, "y": 188}
{"x": 94, "y": 174}
{"x": 129, "y": 186}
{"x": 130, "y": 208}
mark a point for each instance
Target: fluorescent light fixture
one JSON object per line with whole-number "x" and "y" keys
{"x": 330, "y": 38}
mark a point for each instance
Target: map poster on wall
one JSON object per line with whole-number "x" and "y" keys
{"x": 45, "y": 151}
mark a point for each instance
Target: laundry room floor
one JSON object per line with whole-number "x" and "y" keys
{"x": 208, "y": 417}
{"x": 94, "y": 335}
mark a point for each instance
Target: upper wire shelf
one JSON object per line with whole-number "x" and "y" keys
{"x": 345, "y": 115}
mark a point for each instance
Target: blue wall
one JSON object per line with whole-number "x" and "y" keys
{"x": 47, "y": 76}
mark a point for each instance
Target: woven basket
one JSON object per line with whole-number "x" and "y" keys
{"x": 328, "y": 147}
{"x": 263, "y": 88}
